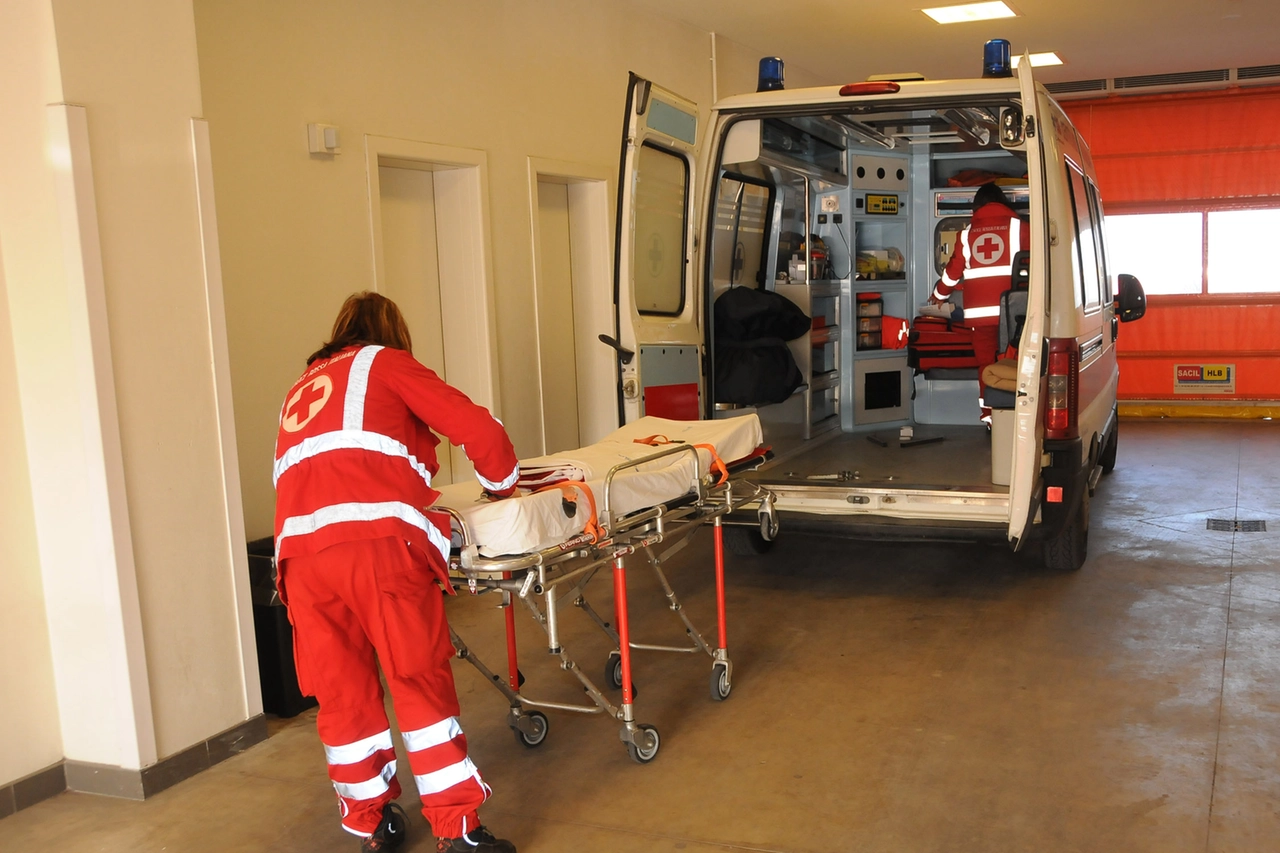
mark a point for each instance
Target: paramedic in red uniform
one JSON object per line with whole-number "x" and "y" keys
{"x": 361, "y": 562}
{"x": 981, "y": 265}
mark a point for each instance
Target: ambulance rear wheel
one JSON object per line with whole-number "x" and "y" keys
{"x": 746, "y": 541}
{"x": 1066, "y": 552}
{"x": 1108, "y": 458}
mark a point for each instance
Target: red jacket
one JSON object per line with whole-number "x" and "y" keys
{"x": 983, "y": 260}
{"x": 355, "y": 453}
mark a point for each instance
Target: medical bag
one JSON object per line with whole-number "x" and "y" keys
{"x": 934, "y": 342}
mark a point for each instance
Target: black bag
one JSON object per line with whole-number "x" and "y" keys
{"x": 746, "y": 314}
{"x": 753, "y": 365}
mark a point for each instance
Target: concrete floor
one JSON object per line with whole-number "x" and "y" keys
{"x": 886, "y": 698}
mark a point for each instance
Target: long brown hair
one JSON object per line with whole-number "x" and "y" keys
{"x": 366, "y": 318}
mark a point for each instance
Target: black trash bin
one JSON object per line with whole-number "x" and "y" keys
{"x": 274, "y": 635}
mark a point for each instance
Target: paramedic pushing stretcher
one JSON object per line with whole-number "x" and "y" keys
{"x": 982, "y": 266}
{"x": 360, "y": 559}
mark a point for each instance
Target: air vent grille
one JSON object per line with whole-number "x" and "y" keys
{"x": 1258, "y": 72}
{"x": 1219, "y": 75}
{"x": 1077, "y": 86}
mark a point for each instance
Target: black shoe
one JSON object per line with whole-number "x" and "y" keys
{"x": 478, "y": 840}
{"x": 391, "y": 830}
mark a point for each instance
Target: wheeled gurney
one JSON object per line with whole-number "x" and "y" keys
{"x": 663, "y": 481}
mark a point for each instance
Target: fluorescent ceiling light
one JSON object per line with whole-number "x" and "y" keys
{"x": 970, "y": 12}
{"x": 1039, "y": 59}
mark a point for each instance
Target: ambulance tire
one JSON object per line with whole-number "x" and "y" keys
{"x": 1108, "y": 458}
{"x": 1066, "y": 552}
{"x": 746, "y": 541}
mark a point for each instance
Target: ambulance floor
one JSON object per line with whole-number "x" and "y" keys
{"x": 945, "y": 457}
{"x": 885, "y": 698}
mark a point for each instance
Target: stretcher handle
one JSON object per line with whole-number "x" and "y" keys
{"x": 717, "y": 464}
{"x": 672, "y": 450}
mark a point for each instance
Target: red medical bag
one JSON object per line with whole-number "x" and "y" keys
{"x": 934, "y": 342}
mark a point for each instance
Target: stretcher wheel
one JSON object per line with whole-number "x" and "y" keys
{"x": 537, "y": 725}
{"x": 720, "y": 686}
{"x": 644, "y": 756}
{"x": 613, "y": 674}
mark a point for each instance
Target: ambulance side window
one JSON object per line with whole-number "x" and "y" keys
{"x": 661, "y": 202}
{"x": 1086, "y": 250}
{"x": 1099, "y": 234}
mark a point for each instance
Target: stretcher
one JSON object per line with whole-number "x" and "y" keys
{"x": 645, "y": 489}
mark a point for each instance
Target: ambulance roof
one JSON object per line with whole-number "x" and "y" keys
{"x": 925, "y": 90}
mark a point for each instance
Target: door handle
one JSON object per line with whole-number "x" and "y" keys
{"x": 624, "y": 355}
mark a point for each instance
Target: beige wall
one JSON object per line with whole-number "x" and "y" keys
{"x": 140, "y": 103}
{"x": 30, "y": 738}
{"x": 514, "y": 79}
{"x": 110, "y": 421}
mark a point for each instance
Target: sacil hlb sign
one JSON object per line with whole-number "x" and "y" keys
{"x": 1204, "y": 379}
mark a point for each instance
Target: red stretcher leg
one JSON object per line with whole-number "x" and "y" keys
{"x": 624, "y": 630}
{"x": 513, "y": 664}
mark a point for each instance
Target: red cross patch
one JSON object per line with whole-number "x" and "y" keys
{"x": 306, "y": 403}
{"x": 988, "y": 248}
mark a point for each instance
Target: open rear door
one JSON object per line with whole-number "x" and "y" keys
{"x": 657, "y": 331}
{"x": 1024, "y": 482}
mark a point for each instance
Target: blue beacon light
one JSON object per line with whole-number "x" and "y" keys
{"x": 995, "y": 59}
{"x": 770, "y": 78}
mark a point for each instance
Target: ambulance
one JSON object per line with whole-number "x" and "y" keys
{"x": 848, "y": 201}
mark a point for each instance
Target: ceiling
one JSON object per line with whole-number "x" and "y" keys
{"x": 846, "y": 40}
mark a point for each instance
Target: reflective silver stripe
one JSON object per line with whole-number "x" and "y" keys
{"x": 445, "y": 778}
{"x": 357, "y": 387}
{"x": 939, "y": 295}
{"x": 974, "y": 313}
{"x": 504, "y": 484}
{"x": 964, "y": 244}
{"x": 1015, "y": 234}
{"x": 988, "y": 272}
{"x": 432, "y": 735}
{"x": 348, "y": 440}
{"x": 350, "y": 753}
{"x": 301, "y": 525}
{"x": 948, "y": 280}
{"x": 370, "y": 788}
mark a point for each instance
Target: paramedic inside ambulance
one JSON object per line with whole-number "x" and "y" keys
{"x": 362, "y": 562}
{"x": 981, "y": 265}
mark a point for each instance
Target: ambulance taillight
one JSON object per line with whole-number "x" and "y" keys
{"x": 1060, "y": 420}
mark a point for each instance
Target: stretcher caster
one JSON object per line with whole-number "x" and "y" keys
{"x": 530, "y": 728}
{"x": 720, "y": 684}
{"x": 613, "y": 674}
{"x": 646, "y": 753}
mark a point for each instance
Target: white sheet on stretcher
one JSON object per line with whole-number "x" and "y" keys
{"x": 533, "y": 522}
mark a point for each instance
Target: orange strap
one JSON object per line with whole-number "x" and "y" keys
{"x": 717, "y": 464}
{"x": 570, "y": 490}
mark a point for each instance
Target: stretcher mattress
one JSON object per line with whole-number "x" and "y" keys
{"x": 536, "y": 521}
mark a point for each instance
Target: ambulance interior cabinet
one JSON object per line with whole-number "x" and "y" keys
{"x": 274, "y": 636}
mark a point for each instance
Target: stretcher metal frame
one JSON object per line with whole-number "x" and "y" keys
{"x": 562, "y": 572}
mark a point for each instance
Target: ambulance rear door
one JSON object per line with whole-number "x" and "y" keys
{"x": 1024, "y": 483}
{"x": 657, "y": 334}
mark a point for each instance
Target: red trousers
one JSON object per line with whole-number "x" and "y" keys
{"x": 355, "y": 605}
{"x": 986, "y": 339}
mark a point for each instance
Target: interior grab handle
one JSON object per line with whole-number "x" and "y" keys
{"x": 624, "y": 355}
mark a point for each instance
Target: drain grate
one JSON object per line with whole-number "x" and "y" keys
{"x": 1236, "y": 525}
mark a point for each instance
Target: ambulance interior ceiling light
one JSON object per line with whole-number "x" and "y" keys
{"x": 1039, "y": 60}
{"x": 970, "y": 12}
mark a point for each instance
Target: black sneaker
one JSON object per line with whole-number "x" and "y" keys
{"x": 391, "y": 830}
{"x": 478, "y": 840}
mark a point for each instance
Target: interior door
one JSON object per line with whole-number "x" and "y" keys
{"x": 1024, "y": 482}
{"x": 657, "y": 332}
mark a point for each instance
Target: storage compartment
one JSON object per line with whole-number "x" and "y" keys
{"x": 946, "y": 401}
